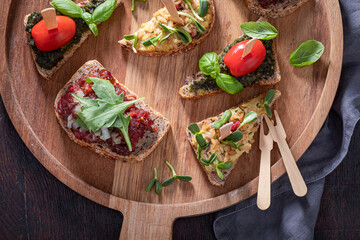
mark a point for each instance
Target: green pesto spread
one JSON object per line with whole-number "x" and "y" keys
{"x": 266, "y": 69}
{"x": 49, "y": 59}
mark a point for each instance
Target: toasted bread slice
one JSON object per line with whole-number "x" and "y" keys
{"x": 227, "y": 152}
{"x": 276, "y": 10}
{"x": 186, "y": 92}
{"x": 47, "y": 73}
{"x": 146, "y": 144}
{"x": 173, "y": 44}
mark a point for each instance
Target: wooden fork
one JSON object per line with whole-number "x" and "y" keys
{"x": 264, "y": 192}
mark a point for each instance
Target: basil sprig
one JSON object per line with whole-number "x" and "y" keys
{"x": 155, "y": 182}
{"x": 224, "y": 119}
{"x": 133, "y": 4}
{"x": 194, "y": 129}
{"x": 175, "y": 176}
{"x": 267, "y": 100}
{"x": 218, "y": 165}
{"x": 105, "y": 111}
{"x": 188, "y": 2}
{"x": 209, "y": 65}
{"x": 259, "y": 30}
{"x": 249, "y": 118}
{"x": 307, "y": 53}
{"x": 100, "y": 14}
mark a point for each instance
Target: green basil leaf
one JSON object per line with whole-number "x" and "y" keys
{"x": 307, "y": 53}
{"x": 228, "y": 83}
{"x": 269, "y": 96}
{"x": 168, "y": 182}
{"x": 235, "y": 136}
{"x": 268, "y": 110}
{"x": 94, "y": 29}
{"x": 184, "y": 178}
{"x": 204, "y": 161}
{"x": 87, "y": 18}
{"x": 230, "y": 143}
{"x": 184, "y": 35}
{"x": 224, "y": 165}
{"x": 249, "y": 117}
{"x": 68, "y": 8}
{"x": 209, "y": 64}
{"x": 259, "y": 30}
{"x": 129, "y": 37}
{"x": 201, "y": 141}
{"x": 151, "y": 184}
{"x": 219, "y": 173}
{"x": 158, "y": 188}
{"x": 105, "y": 90}
{"x": 122, "y": 123}
{"x": 194, "y": 128}
{"x": 104, "y": 11}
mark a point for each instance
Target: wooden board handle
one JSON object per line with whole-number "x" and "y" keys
{"x": 146, "y": 225}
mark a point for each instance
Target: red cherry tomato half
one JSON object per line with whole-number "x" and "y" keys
{"x": 240, "y": 66}
{"x": 46, "y": 40}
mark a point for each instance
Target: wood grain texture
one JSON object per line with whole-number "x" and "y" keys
{"x": 309, "y": 91}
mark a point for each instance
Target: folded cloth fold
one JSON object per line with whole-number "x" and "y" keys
{"x": 290, "y": 217}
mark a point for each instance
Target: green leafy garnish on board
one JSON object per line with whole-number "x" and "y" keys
{"x": 101, "y": 13}
{"x": 175, "y": 176}
{"x": 155, "y": 182}
{"x": 259, "y": 30}
{"x": 106, "y": 111}
{"x": 307, "y": 53}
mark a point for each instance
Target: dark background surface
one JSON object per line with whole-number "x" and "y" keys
{"x": 35, "y": 205}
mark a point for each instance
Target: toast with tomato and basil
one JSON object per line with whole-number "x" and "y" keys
{"x": 50, "y": 49}
{"x": 163, "y": 36}
{"x": 98, "y": 112}
{"x": 274, "y": 8}
{"x": 230, "y": 71}
{"x": 220, "y": 141}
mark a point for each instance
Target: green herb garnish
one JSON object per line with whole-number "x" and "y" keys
{"x": 182, "y": 34}
{"x": 203, "y": 9}
{"x": 267, "y": 100}
{"x": 249, "y": 117}
{"x": 152, "y": 41}
{"x": 194, "y": 129}
{"x": 259, "y": 30}
{"x": 307, "y": 53}
{"x": 212, "y": 159}
{"x": 106, "y": 111}
{"x": 175, "y": 176}
{"x": 224, "y": 119}
{"x": 100, "y": 14}
{"x": 188, "y": 2}
{"x": 200, "y": 27}
{"x": 155, "y": 182}
{"x": 209, "y": 65}
{"x": 235, "y": 136}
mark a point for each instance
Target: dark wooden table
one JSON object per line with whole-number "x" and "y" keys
{"x": 35, "y": 205}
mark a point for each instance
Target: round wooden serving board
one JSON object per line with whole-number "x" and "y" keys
{"x": 307, "y": 95}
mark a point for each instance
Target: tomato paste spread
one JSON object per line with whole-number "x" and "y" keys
{"x": 140, "y": 121}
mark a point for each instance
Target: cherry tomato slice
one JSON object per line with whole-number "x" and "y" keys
{"x": 240, "y": 66}
{"x": 46, "y": 40}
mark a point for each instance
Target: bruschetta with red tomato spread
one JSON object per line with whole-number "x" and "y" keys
{"x": 98, "y": 112}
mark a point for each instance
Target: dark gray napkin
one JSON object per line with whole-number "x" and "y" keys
{"x": 290, "y": 217}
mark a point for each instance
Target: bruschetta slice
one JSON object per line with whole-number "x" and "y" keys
{"x": 48, "y": 62}
{"x": 98, "y": 112}
{"x": 162, "y": 36}
{"x": 220, "y": 141}
{"x": 268, "y": 73}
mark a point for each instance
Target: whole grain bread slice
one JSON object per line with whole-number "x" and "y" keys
{"x": 48, "y": 73}
{"x": 186, "y": 93}
{"x": 278, "y": 10}
{"x": 182, "y": 49}
{"x": 212, "y": 176}
{"x": 145, "y": 145}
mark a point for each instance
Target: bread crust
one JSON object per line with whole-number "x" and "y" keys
{"x": 48, "y": 73}
{"x": 146, "y": 144}
{"x": 182, "y": 49}
{"x": 277, "y": 11}
{"x": 185, "y": 92}
{"x": 212, "y": 176}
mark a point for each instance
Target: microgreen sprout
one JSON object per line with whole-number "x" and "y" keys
{"x": 267, "y": 100}
{"x": 218, "y": 165}
{"x": 194, "y": 129}
{"x": 156, "y": 183}
{"x": 175, "y": 176}
{"x": 188, "y": 2}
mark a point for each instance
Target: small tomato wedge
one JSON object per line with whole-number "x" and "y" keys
{"x": 46, "y": 40}
{"x": 240, "y": 66}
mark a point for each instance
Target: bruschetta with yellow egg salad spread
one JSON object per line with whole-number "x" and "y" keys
{"x": 98, "y": 112}
{"x": 220, "y": 141}
{"x": 249, "y": 60}
{"x": 162, "y": 36}
{"x": 50, "y": 49}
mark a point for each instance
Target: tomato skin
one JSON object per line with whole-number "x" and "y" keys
{"x": 240, "y": 66}
{"x": 46, "y": 40}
